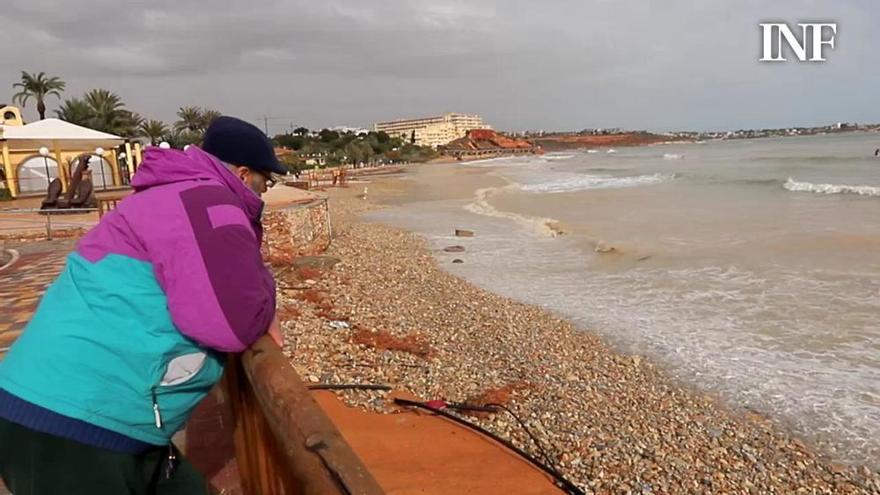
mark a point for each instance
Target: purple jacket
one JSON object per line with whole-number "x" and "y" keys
{"x": 199, "y": 227}
{"x": 123, "y": 344}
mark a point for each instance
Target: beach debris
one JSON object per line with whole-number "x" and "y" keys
{"x": 383, "y": 340}
{"x": 643, "y": 258}
{"x": 502, "y": 395}
{"x": 454, "y": 249}
{"x": 464, "y": 233}
{"x": 339, "y": 325}
{"x": 555, "y": 228}
{"x": 322, "y": 263}
{"x": 603, "y": 247}
{"x": 306, "y": 273}
{"x": 457, "y": 260}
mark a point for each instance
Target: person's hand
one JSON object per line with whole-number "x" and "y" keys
{"x": 275, "y": 332}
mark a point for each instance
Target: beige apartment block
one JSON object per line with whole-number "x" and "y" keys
{"x": 432, "y": 131}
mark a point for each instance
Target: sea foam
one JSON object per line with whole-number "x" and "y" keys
{"x": 585, "y": 182}
{"x": 546, "y": 227}
{"x": 796, "y": 186}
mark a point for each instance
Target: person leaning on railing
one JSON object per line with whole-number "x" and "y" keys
{"x": 133, "y": 333}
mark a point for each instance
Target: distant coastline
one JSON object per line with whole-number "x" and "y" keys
{"x": 559, "y": 141}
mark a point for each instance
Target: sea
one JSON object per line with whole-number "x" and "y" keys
{"x": 749, "y": 269}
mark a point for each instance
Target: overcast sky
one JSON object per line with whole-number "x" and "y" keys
{"x": 648, "y": 64}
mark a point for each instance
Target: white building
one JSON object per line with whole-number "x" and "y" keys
{"x": 432, "y": 131}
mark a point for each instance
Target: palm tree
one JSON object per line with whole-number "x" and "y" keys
{"x": 208, "y": 118}
{"x": 108, "y": 113}
{"x": 127, "y": 124}
{"x": 190, "y": 119}
{"x": 38, "y": 87}
{"x": 155, "y": 130}
{"x": 180, "y": 138}
{"x": 76, "y": 111}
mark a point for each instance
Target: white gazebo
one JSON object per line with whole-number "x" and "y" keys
{"x": 34, "y": 152}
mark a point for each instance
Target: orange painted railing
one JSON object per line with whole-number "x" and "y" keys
{"x": 284, "y": 442}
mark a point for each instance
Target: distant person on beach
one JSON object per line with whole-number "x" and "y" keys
{"x": 134, "y": 332}
{"x": 877, "y": 152}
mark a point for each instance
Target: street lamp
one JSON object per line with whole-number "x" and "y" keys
{"x": 123, "y": 167}
{"x": 186, "y": 147}
{"x": 100, "y": 153}
{"x": 164, "y": 145}
{"x": 44, "y": 152}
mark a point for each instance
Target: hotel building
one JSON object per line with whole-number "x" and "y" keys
{"x": 432, "y": 131}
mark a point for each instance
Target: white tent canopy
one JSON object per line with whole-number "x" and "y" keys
{"x": 56, "y": 133}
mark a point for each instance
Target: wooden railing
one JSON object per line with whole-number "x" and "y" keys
{"x": 284, "y": 442}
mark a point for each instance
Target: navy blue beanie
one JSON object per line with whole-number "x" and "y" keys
{"x": 237, "y": 142}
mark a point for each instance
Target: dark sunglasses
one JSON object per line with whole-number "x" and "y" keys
{"x": 270, "y": 180}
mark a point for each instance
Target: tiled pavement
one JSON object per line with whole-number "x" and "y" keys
{"x": 23, "y": 284}
{"x": 21, "y": 287}
{"x": 208, "y": 436}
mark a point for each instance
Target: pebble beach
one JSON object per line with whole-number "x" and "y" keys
{"x": 386, "y": 312}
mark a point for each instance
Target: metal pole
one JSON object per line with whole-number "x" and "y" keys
{"x": 49, "y": 225}
{"x": 46, "y": 165}
{"x": 103, "y": 178}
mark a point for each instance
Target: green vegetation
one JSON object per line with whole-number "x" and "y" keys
{"x": 38, "y": 87}
{"x": 102, "y": 110}
{"x": 154, "y": 130}
{"x": 331, "y": 148}
{"x": 192, "y": 122}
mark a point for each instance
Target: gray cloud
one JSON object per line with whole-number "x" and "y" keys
{"x": 559, "y": 64}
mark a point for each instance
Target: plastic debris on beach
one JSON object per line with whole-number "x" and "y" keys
{"x": 339, "y": 325}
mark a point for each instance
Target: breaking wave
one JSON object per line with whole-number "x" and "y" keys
{"x": 553, "y": 158}
{"x": 585, "y": 182}
{"x": 795, "y": 186}
{"x": 542, "y": 226}
{"x": 488, "y": 161}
